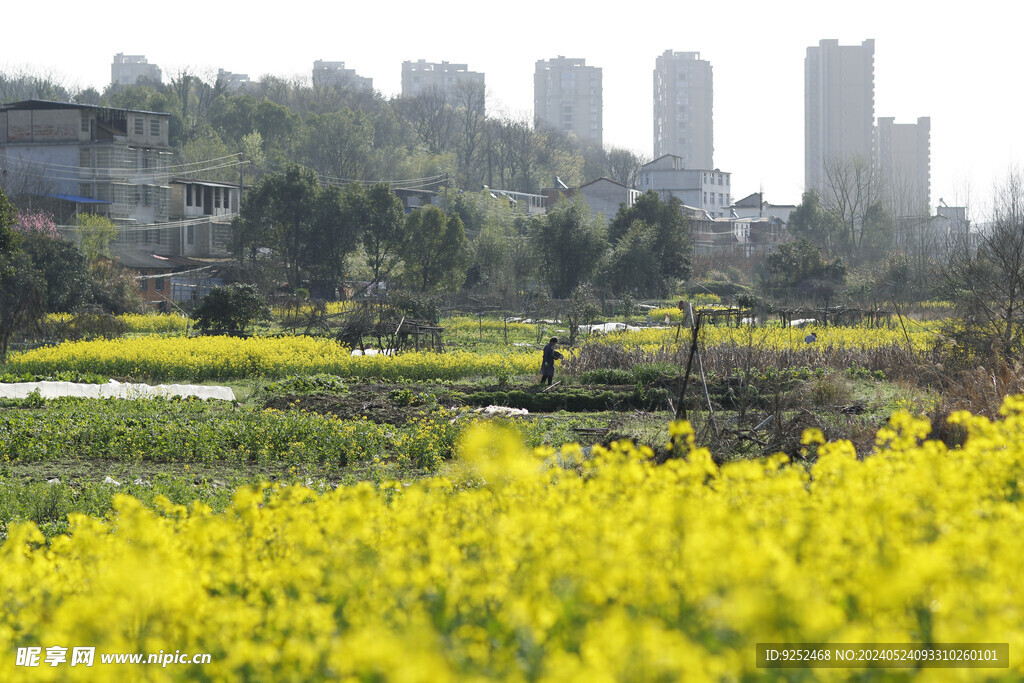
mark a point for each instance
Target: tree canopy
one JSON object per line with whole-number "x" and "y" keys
{"x": 570, "y": 243}
{"x": 434, "y": 249}
{"x": 653, "y": 236}
{"x": 230, "y": 309}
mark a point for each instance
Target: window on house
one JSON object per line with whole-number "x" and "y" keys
{"x": 188, "y": 195}
{"x": 154, "y": 128}
{"x": 216, "y": 198}
{"x": 85, "y": 122}
{"x": 144, "y": 285}
{"x": 159, "y": 284}
{"x": 139, "y": 126}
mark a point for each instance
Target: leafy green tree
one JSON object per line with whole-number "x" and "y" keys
{"x": 230, "y": 309}
{"x": 280, "y": 212}
{"x": 97, "y": 234}
{"x": 632, "y": 265}
{"x": 435, "y": 248}
{"x": 22, "y": 288}
{"x": 113, "y": 287}
{"x": 878, "y": 228}
{"x": 584, "y": 309}
{"x": 234, "y": 117}
{"x": 205, "y": 144}
{"x": 810, "y": 221}
{"x": 9, "y": 239}
{"x": 64, "y": 271}
{"x": 333, "y": 236}
{"x": 312, "y": 229}
{"x": 338, "y": 144}
{"x": 383, "y": 221}
{"x": 504, "y": 256}
{"x": 570, "y": 243}
{"x": 278, "y": 125}
{"x": 797, "y": 269}
{"x": 667, "y": 238}
{"x": 22, "y": 296}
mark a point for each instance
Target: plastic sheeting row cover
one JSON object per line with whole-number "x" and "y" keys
{"x": 113, "y": 389}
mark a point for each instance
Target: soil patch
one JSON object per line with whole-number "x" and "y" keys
{"x": 397, "y": 404}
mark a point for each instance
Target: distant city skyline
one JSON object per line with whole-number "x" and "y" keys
{"x": 951, "y": 69}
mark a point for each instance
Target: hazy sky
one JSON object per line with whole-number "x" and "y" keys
{"x": 958, "y": 64}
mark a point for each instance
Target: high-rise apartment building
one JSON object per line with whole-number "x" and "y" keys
{"x": 567, "y": 95}
{"x": 335, "y": 73}
{"x": 683, "y": 109}
{"x": 420, "y": 76}
{"x": 839, "y": 108}
{"x": 903, "y": 157}
{"x": 127, "y": 69}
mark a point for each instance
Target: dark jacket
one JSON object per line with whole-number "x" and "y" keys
{"x": 547, "y": 366}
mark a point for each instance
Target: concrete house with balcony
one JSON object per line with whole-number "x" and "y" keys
{"x": 707, "y": 190}
{"x": 201, "y": 215}
{"x": 113, "y": 162}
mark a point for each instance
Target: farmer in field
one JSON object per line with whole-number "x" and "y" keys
{"x": 811, "y": 338}
{"x": 547, "y": 365}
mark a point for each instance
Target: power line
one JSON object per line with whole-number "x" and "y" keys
{"x": 145, "y": 227}
{"x": 86, "y": 174}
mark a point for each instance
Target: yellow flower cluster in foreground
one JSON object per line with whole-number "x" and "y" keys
{"x": 550, "y": 567}
{"x": 219, "y": 358}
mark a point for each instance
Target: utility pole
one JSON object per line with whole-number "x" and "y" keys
{"x": 446, "y": 194}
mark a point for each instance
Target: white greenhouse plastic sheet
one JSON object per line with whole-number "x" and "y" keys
{"x": 113, "y": 389}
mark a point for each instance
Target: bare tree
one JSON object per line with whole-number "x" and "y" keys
{"x": 853, "y": 197}
{"x": 25, "y": 84}
{"x": 624, "y": 165}
{"x": 469, "y": 99}
{"x": 512, "y": 151}
{"x": 196, "y": 95}
{"x": 987, "y": 283}
{"x": 432, "y": 116}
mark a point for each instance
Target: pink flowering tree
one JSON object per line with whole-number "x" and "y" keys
{"x": 42, "y": 222}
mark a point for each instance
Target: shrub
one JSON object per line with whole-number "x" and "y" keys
{"x": 230, "y": 309}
